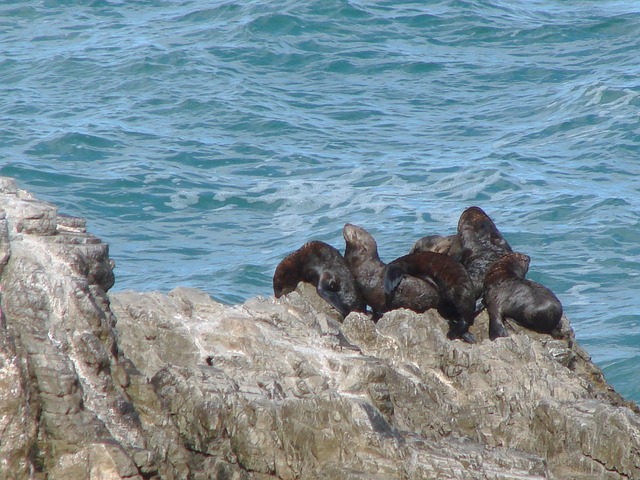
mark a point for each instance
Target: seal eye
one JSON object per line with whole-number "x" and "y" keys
{"x": 333, "y": 286}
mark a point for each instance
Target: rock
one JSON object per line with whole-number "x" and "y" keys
{"x": 148, "y": 385}
{"x": 68, "y": 409}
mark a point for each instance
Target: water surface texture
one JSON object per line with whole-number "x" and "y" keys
{"x": 206, "y": 140}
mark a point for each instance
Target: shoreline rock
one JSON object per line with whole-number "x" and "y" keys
{"x": 150, "y": 385}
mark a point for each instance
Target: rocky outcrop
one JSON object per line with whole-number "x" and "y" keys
{"x": 148, "y": 385}
{"x": 67, "y": 408}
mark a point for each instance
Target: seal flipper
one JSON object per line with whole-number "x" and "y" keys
{"x": 497, "y": 329}
{"x": 460, "y": 329}
{"x": 469, "y": 337}
{"x": 392, "y": 278}
{"x": 496, "y": 324}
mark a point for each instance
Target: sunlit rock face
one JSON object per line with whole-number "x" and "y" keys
{"x": 148, "y": 385}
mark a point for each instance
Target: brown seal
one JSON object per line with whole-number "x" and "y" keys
{"x": 507, "y": 294}
{"x": 324, "y": 267}
{"x": 482, "y": 244}
{"x": 457, "y": 299}
{"x": 449, "y": 245}
{"x": 361, "y": 255}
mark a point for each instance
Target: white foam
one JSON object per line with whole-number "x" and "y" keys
{"x": 580, "y": 298}
{"x": 183, "y": 199}
{"x": 596, "y": 93}
{"x": 223, "y": 195}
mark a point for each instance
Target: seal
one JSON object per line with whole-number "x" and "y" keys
{"x": 482, "y": 244}
{"x": 508, "y": 294}
{"x": 324, "y": 267}
{"x": 457, "y": 301}
{"x": 449, "y": 245}
{"x": 361, "y": 256}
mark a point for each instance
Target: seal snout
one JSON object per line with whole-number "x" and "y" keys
{"x": 358, "y": 238}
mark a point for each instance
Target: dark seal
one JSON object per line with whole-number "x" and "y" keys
{"x": 324, "y": 267}
{"x": 508, "y": 294}
{"x": 482, "y": 244}
{"x": 457, "y": 301}
{"x": 361, "y": 255}
{"x": 449, "y": 245}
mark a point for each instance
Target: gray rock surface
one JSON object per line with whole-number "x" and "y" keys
{"x": 148, "y": 385}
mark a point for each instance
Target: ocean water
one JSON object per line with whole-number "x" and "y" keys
{"x": 206, "y": 140}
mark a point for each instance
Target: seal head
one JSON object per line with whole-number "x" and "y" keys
{"x": 324, "y": 267}
{"x": 449, "y": 245}
{"x": 482, "y": 244}
{"x": 509, "y": 295}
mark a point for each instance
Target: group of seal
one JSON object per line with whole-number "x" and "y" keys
{"x": 458, "y": 275}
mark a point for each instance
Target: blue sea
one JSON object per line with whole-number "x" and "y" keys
{"x": 205, "y": 140}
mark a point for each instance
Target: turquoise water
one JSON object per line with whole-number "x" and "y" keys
{"x": 205, "y": 140}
